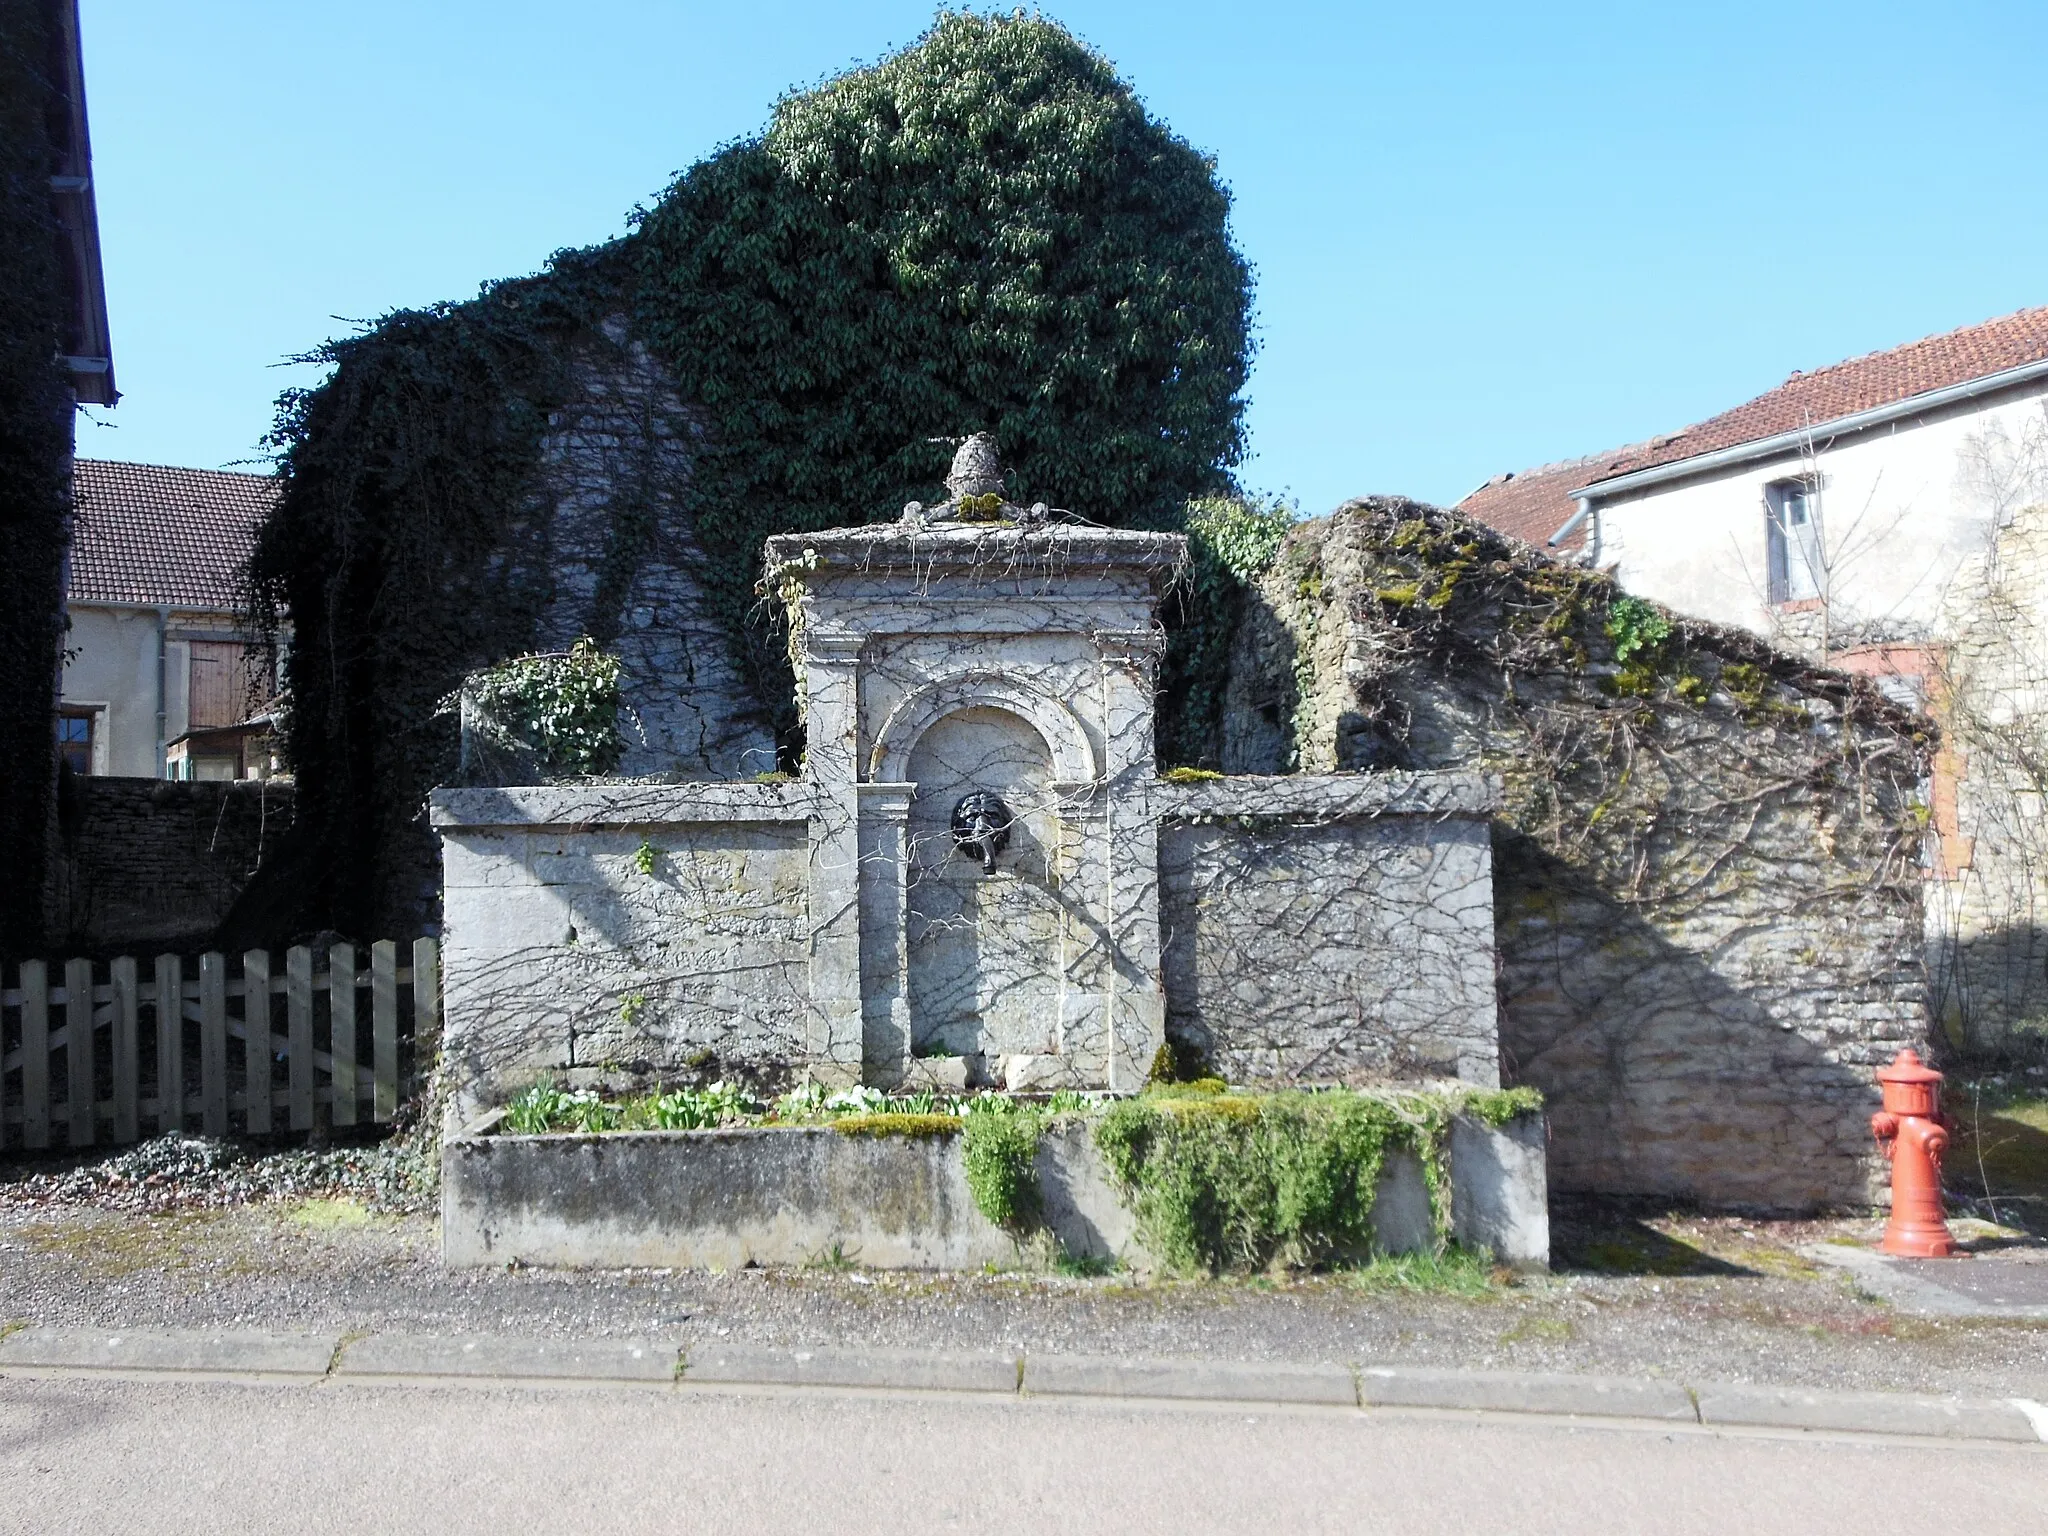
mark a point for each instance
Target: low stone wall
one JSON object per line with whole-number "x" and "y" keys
{"x": 151, "y": 864}
{"x": 599, "y": 936}
{"x": 1326, "y": 928}
{"x": 1322, "y": 927}
{"x": 798, "y": 1195}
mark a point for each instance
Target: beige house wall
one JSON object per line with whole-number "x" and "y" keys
{"x": 111, "y": 667}
{"x": 1902, "y": 509}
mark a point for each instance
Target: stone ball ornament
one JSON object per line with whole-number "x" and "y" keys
{"x": 981, "y": 827}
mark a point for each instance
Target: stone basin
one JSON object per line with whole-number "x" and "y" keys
{"x": 792, "y": 1195}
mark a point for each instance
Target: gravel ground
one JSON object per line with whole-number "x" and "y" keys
{"x": 337, "y": 1240}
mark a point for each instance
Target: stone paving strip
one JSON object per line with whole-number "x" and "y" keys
{"x": 374, "y": 1358}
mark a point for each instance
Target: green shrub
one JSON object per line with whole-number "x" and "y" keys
{"x": 559, "y": 712}
{"x": 1001, "y": 1153}
{"x": 1227, "y": 1181}
{"x": 983, "y": 231}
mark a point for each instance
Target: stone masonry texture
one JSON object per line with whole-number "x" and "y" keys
{"x": 1707, "y": 900}
{"x": 148, "y": 865}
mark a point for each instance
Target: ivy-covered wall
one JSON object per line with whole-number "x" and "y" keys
{"x": 35, "y": 470}
{"x": 1707, "y": 895}
{"x": 985, "y": 231}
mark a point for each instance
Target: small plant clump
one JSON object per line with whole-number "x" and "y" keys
{"x": 1001, "y": 1154}
{"x": 561, "y": 711}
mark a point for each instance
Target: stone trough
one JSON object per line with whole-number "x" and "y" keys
{"x": 792, "y": 1195}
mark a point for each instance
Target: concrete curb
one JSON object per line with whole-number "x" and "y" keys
{"x": 903, "y": 1370}
{"x": 201, "y": 1351}
{"x": 1872, "y": 1413}
{"x": 1607, "y": 1397}
{"x": 1200, "y": 1380}
{"x": 375, "y": 1358}
{"x": 413, "y": 1355}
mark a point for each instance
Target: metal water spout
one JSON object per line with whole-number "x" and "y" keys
{"x": 981, "y": 827}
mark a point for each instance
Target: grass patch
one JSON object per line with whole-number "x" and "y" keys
{"x": 109, "y": 1247}
{"x": 1539, "y": 1330}
{"x": 1454, "y": 1272}
{"x": 1083, "y": 1266}
{"x": 2001, "y": 1149}
{"x": 326, "y": 1215}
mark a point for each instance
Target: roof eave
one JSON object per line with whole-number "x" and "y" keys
{"x": 1782, "y": 442}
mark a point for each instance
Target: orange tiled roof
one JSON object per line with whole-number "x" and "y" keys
{"x": 1517, "y": 504}
{"x": 1532, "y": 504}
{"x": 148, "y": 533}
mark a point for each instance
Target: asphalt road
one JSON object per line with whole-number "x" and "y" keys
{"x": 113, "y": 1456}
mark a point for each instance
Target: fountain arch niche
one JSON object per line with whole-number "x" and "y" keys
{"x": 1011, "y": 658}
{"x": 985, "y": 933}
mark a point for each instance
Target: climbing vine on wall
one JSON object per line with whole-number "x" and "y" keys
{"x": 35, "y": 454}
{"x": 985, "y": 231}
{"x": 1232, "y": 540}
{"x": 1653, "y": 749}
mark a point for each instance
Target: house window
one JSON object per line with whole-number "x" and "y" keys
{"x": 74, "y": 740}
{"x": 1792, "y": 535}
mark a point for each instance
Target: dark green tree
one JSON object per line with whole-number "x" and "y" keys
{"x": 983, "y": 232}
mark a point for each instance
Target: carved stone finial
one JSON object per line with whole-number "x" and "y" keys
{"x": 977, "y": 468}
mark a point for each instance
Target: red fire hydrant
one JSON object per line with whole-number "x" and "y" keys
{"x": 1914, "y": 1133}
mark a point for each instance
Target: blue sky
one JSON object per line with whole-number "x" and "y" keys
{"x": 1486, "y": 235}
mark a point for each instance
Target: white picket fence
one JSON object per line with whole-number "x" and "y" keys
{"x": 111, "y": 1056}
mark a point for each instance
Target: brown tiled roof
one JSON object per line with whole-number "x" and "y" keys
{"x": 1517, "y": 504}
{"x": 1533, "y": 504}
{"x": 146, "y": 533}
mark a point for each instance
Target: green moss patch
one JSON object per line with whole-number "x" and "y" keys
{"x": 897, "y": 1125}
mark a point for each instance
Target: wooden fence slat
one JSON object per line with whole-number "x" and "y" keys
{"x": 257, "y": 1046}
{"x": 170, "y": 1043}
{"x": 426, "y": 1002}
{"x": 213, "y": 1043}
{"x": 341, "y": 1029}
{"x": 79, "y": 1067}
{"x": 384, "y": 1028}
{"x": 298, "y": 1003}
{"x": 127, "y": 1058}
{"x": 35, "y": 1054}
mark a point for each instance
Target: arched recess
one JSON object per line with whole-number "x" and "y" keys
{"x": 1073, "y": 752}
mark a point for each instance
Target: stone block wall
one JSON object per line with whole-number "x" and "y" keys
{"x": 1307, "y": 940}
{"x": 1324, "y": 928}
{"x": 1707, "y": 903}
{"x": 149, "y": 865}
{"x": 1988, "y": 895}
{"x": 609, "y": 936}
{"x": 615, "y": 467}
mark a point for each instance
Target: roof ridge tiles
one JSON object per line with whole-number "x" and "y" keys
{"x": 1806, "y": 401}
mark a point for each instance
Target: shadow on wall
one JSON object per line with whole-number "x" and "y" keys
{"x": 145, "y": 865}
{"x": 1661, "y": 1077}
{"x": 1989, "y": 992}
